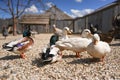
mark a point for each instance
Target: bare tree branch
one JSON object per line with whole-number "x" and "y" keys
{"x": 5, "y": 10}
{"x": 28, "y": 3}
{"x": 42, "y": 5}
{"x": 5, "y": 2}
{"x": 10, "y": 9}
{"x": 18, "y": 7}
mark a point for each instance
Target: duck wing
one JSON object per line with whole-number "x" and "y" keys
{"x": 74, "y": 43}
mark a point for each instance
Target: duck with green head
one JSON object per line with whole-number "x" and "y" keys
{"x": 20, "y": 46}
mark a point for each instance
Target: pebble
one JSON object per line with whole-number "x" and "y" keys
{"x": 71, "y": 68}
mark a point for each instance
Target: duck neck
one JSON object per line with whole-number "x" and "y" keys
{"x": 63, "y": 36}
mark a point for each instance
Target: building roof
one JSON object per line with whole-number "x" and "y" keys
{"x": 34, "y": 19}
{"x": 51, "y": 13}
{"x": 56, "y": 13}
{"x": 103, "y": 8}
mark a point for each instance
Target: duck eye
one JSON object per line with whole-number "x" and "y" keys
{"x": 86, "y": 31}
{"x": 66, "y": 29}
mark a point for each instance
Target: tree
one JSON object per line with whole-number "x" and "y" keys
{"x": 15, "y": 8}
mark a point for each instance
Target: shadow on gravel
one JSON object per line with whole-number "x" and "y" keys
{"x": 85, "y": 61}
{"x": 38, "y": 62}
{"x": 69, "y": 56}
{"x": 116, "y": 44}
{"x": 11, "y": 57}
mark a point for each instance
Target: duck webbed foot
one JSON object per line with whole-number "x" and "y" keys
{"x": 102, "y": 60}
{"x": 78, "y": 55}
{"x": 60, "y": 53}
{"x": 22, "y": 56}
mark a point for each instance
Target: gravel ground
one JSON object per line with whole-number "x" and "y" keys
{"x": 70, "y": 68}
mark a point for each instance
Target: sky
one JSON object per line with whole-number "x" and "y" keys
{"x": 74, "y": 8}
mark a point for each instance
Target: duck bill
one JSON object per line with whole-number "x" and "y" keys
{"x": 47, "y": 60}
{"x": 90, "y": 35}
{"x": 69, "y": 32}
{"x": 95, "y": 42}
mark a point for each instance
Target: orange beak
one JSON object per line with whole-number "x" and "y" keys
{"x": 69, "y": 32}
{"x": 95, "y": 42}
{"x": 91, "y": 35}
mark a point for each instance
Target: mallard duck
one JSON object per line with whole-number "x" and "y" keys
{"x": 97, "y": 48}
{"x": 76, "y": 44}
{"x": 51, "y": 54}
{"x": 20, "y": 46}
{"x": 92, "y": 28}
{"x": 53, "y": 39}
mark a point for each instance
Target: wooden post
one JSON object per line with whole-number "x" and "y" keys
{"x": 47, "y": 28}
{"x": 14, "y": 26}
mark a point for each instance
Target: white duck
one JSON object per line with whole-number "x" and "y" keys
{"x": 77, "y": 45}
{"x": 57, "y": 30}
{"x": 97, "y": 48}
{"x": 62, "y": 33}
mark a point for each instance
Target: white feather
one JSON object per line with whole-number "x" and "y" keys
{"x": 98, "y": 50}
